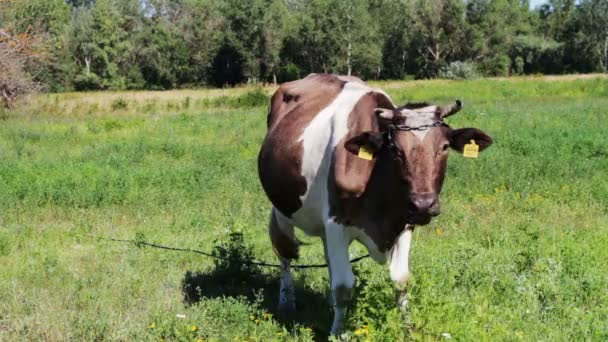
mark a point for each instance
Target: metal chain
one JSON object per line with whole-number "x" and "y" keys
{"x": 406, "y": 128}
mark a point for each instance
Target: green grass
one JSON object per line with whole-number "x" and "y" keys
{"x": 519, "y": 252}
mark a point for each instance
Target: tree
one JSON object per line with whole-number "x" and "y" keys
{"x": 439, "y": 28}
{"x": 16, "y": 54}
{"x": 274, "y": 27}
{"x": 592, "y": 36}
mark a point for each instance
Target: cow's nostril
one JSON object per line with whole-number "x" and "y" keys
{"x": 425, "y": 203}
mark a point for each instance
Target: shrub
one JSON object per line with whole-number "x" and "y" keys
{"x": 233, "y": 256}
{"x": 119, "y": 103}
{"x": 88, "y": 81}
{"x": 460, "y": 71}
{"x": 289, "y": 72}
{"x": 497, "y": 66}
{"x": 253, "y": 98}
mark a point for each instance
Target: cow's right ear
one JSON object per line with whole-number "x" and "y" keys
{"x": 371, "y": 141}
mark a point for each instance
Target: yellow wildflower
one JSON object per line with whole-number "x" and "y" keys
{"x": 152, "y": 325}
{"x": 193, "y": 328}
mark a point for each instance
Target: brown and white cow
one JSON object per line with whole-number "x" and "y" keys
{"x": 310, "y": 168}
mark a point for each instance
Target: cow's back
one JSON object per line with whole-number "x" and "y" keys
{"x": 293, "y": 106}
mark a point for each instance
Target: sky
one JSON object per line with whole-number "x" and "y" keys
{"x": 536, "y": 3}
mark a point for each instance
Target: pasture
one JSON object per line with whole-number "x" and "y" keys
{"x": 520, "y": 251}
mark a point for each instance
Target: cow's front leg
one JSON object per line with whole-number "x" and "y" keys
{"x": 399, "y": 263}
{"x": 336, "y": 244}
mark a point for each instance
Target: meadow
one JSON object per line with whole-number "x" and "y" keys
{"x": 520, "y": 251}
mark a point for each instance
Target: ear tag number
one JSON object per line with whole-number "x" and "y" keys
{"x": 471, "y": 150}
{"x": 365, "y": 153}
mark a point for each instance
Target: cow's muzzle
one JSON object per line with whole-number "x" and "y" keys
{"x": 423, "y": 206}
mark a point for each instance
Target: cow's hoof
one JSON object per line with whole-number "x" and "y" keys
{"x": 402, "y": 302}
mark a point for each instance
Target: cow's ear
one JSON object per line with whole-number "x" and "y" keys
{"x": 371, "y": 141}
{"x": 462, "y": 136}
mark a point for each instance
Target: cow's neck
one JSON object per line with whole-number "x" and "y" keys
{"x": 385, "y": 203}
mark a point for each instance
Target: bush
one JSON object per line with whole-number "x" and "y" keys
{"x": 233, "y": 257}
{"x": 119, "y": 103}
{"x": 497, "y": 66}
{"x": 289, "y": 72}
{"x": 88, "y": 81}
{"x": 460, "y": 71}
{"x": 253, "y": 98}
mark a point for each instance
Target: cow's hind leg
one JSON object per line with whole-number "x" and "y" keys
{"x": 336, "y": 244}
{"x": 399, "y": 264}
{"x": 285, "y": 247}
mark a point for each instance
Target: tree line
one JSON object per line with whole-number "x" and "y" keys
{"x": 163, "y": 44}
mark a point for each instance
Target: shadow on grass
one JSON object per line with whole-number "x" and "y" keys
{"x": 232, "y": 276}
{"x": 312, "y": 308}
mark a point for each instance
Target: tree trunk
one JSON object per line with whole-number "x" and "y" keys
{"x": 605, "y": 57}
{"x": 349, "y": 53}
{"x": 7, "y": 98}
{"x": 349, "y": 38}
{"x": 403, "y": 55}
{"x": 87, "y": 63}
{"x": 274, "y": 77}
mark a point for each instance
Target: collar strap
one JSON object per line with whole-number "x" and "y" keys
{"x": 391, "y": 128}
{"x": 406, "y": 128}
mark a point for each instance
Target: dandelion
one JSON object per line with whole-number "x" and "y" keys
{"x": 193, "y": 328}
{"x": 251, "y": 317}
{"x": 152, "y": 325}
{"x": 361, "y": 331}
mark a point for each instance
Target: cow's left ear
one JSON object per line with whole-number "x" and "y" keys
{"x": 462, "y": 136}
{"x": 372, "y": 141}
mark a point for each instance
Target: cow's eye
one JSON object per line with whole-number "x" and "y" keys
{"x": 445, "y": 147}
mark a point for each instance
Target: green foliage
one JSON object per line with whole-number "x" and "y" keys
{"x": 119, "y": 103}
{"x": 88, "y": 81}
{"x": 233, "y": 257}
{"x": 460, "y": 71}
{"x": 536, "y": 55}
{"x": 253, "y": 98}
{"x": 167, "y": 44}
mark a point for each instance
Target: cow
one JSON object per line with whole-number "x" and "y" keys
{"x": 341, "y": 162}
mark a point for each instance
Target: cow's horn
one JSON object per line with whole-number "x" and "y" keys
{"x": 451, "y": 109}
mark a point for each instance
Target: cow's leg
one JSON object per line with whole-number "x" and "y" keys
{"x": 336, "y": 244}
{"x": 285, "y": 247}
{"x": 399, "y": 263}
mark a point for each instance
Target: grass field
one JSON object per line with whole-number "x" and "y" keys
{"x": 520, "y": 251}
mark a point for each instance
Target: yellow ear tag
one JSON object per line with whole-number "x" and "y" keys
{"x": 365, "y": 153}
{"x": 471, "y": 150}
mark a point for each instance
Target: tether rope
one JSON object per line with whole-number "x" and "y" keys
{"x": 210, "y": 255}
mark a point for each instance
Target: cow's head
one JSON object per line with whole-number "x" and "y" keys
{"x": 416, "y": 140}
